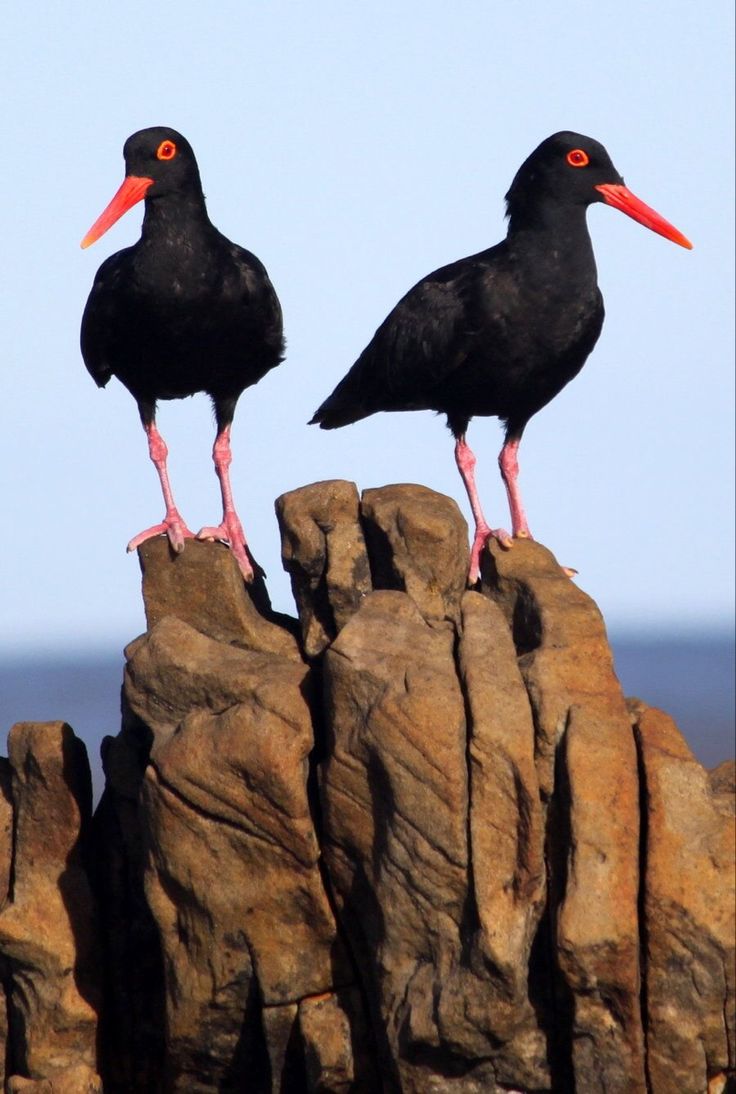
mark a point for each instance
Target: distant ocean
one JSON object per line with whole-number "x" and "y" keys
{"x": 692, "y": 679}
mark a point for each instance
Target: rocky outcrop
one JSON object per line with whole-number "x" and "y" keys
{"x": 419, "y": 842}
{"x": 225, "y": 797}
{"x": 687, "y": 851}
{"x": 48, "y": 923}
{"x": 589, "y": 787}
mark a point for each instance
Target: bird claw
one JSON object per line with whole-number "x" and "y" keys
{"x": 482, "y": 535}
{"x": 480, "y": 540}
{"x": 231, "y": 533}
{"x": 502, "y": 536}
{"x": 172, "y": 526}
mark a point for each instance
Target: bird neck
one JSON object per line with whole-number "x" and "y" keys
{"x": 175, "y": 213}
{"x": 553, "y": 236}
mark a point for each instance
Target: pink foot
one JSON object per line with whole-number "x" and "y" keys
{"x": 482, "y": 535}
{"x": 172, "y": 526}
{"x": 231, "y": 532}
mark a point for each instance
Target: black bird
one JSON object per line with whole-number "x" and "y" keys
{"x": 500, "y": 333}
{"x": 184, "y": 310}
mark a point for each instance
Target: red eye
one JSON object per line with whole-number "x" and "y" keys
{"x": 577, "y": 158}
{"x": 167, "y": 150}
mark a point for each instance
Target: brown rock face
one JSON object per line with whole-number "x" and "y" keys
{"x": 394, "y": 789}
{"x": 418, "y": 542}
{"x": 324, "y": 553}
{"x": 442, "y": 974}
{"x": 204, "y": 587}
{"x": 688, "y": 928}
{"x": 586, "y": 762}
{"x": 429, "y": 850}
{"x": 231, "y": 857}
{"x": 505, "y": 819}
{"x": 6, "y": 864}
{"x": 225, "y": 798}
{"x": 48, "y": 926}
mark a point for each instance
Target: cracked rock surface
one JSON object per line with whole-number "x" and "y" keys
{"x": 416, "y": 841}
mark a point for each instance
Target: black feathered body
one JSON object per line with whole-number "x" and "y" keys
{"x": 183, "y": 310}
{"x": 502, "y": 332}
{"x": 498, "y": 333}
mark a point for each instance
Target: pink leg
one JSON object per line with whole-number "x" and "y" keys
{"x": 172, "y": 525}
{"x": 465, "y": 460}
{"x": 230, "y": 530}
{"x": 509, "y": 465}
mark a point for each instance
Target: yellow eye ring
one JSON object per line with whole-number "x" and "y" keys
{"x": 166, "y": 150}
{"x": 576, "y": 157}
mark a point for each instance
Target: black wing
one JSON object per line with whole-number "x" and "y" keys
{"x": 420, "y": 343}
{"x": 99, "y": 321}
{"x": 255, "y": 291}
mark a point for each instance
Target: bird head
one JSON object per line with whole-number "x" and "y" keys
{"x": 158, "y": 161}
{"x": 570, "y": 169}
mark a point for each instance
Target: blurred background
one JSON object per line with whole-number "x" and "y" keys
{"x": 354, "y": 148}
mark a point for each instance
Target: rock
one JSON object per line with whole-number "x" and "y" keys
{"x": 132, "y": 1043}
{"x": 48, "y": 928}
{"x": 394, "y": 797}
{"x": 204, "y": 587}
{"x": 428, "y": 927}
{"x": 446, "y": 856}
{"x": 689, "y": 928}
{"x": 723, "y": 782}
{"x": 505, "y": 825}
{"x": 232, "y": 864}
{"x": 279, "y": 1024}
{"x": 324, "y": 554}
{"x": 337, "y": 1058}
{"x": 6, "y": 828}
{"x": 418, "y": 542}
{"x": 72, "y": 1080}
{"x": 587, "y": 769}
{"x": 6, "y": 865}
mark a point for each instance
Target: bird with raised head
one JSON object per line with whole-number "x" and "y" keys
{"x": 182, "y": 311}
{"x": 502, "y": 332}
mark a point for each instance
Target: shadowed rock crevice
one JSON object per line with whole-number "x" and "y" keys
{"x": 324, "y": 554}
{"x": 644, "y": 804}
{"x": 517, "y": 600}
{"x": 132, "y": 1028}
{"x": 416, "y": 543}
{"x": 359, "y": 1033}
{"x": 470, "y": 922}
{"x": 431, "y": 858}
{"x": 558, "y": 851}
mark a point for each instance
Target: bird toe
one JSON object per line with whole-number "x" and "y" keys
{"x": 503, "y": 538}
{"x": 231, "y": 533}
{"x": 173, "y": 527}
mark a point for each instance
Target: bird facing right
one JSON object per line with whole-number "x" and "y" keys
{"x": 502, "y": 332}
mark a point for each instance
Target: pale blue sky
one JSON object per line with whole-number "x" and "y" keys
{"x": 355, "y": 148}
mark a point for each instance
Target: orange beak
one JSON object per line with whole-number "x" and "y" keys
{"x": 621, "y": 198}
{"x": 132, "y": 191}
